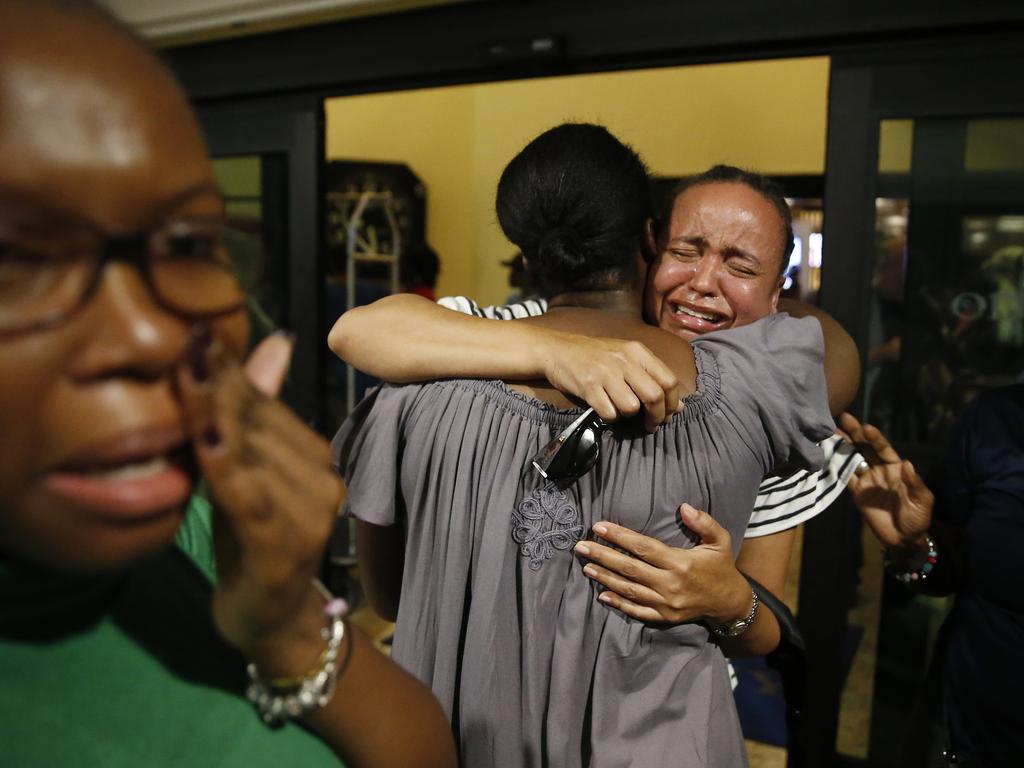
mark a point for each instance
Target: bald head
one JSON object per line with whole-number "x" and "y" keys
{"x": 90, "y": 120}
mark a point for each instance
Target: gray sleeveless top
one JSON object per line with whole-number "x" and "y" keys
{"x": 496, "y": 614}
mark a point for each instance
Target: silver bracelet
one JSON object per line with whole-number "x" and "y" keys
{"x": 738, "y": 627}
{"x": 279, "y": 700}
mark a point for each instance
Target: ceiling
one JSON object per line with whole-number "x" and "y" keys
{"x": 189, "y": 21}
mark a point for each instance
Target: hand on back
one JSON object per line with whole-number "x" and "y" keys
{"x": 656, "y": 583}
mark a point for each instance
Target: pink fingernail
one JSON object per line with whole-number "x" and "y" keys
{"x": 604, "y": 597}
{"x": 601, "y": 529}
{"x": 582, "y": 549}
{"x": 590, "y": 571}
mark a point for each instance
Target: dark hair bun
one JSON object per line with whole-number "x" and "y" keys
{"x": 562, "y": 246}
{"x": 576, "y": 201}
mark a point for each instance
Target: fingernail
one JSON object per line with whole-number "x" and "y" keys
{"x": 198, "y": 345}
{"x": 211, "y": 436}
{"x": 604, "y": 597}
{"x": 600, "y": 529}
{"x": 590, "y": 571}
{"x": 284, "y": 333}
{"x": 582, "y": 549}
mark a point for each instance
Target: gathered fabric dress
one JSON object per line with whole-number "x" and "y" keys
{"x": 496, "y": 614}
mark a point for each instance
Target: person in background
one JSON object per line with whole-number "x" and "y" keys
{"x": 964, "y": 539}
{"x": 519, "y": 281}
{"x": 132, "y": 622}
{"x": 419, "y": 267}
{"x": 718, "y": 258}
{"x": 475, "y": 548}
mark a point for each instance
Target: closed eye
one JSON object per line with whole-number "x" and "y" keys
{"x": 744, "y": 270}
{"x": 24, "y": 257}
{"x": 685, "y": 254}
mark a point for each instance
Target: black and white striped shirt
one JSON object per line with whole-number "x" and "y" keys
{"x": 782, "y": 502}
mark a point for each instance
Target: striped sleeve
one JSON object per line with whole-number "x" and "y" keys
{"x": 527, "y": 308}
{"x": 786, "y": 502}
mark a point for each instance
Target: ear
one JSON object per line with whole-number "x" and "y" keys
{"x": 778, "y": 291}
{"x": 641, "y": 265}
{"x": 652, "y": 238}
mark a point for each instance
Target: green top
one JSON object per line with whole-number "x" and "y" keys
{"x": 127, "y": 670}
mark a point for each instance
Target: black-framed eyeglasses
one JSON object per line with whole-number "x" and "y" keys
{"x": 47, "y": 275}
{"x": 574, "y": 451}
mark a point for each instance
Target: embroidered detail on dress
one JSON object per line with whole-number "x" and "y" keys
{"x": 545, "y": 521}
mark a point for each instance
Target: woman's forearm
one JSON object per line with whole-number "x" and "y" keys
{"x": 766, "y": 560}
{"x": 405, "y": 338}
{"x": 760, "y": 639}
{"x": 381, "y": 716}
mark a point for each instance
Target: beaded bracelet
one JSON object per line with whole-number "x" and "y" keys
{"x": 918, "y": 574}
{"x": 279, "y": 700}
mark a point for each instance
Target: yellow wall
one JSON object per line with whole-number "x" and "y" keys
{"x": 895, "y": 145}
{"x": 770, "y": 116}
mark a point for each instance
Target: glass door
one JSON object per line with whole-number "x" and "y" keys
{"x": 946, "y": 321}
{"x": 924, "y": 231}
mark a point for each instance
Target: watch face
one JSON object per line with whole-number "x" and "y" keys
{"x": 394, "y": 196}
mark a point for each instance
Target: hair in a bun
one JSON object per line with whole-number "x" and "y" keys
{"x": 576, "y": 201}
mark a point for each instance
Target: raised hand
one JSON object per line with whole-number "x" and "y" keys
{"x": 657, "y": 583}
{"x": 891, "y": 496}
{"x": 616, "y": 378}
{"x": 275, "y": 498}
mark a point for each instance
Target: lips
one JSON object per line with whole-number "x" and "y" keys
{"x": 695, "y": 320}
{"x": 131, "y": 476}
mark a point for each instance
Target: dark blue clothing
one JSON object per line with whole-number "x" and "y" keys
{"x": 983, "y": 637}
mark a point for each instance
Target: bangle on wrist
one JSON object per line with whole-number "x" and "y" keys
{"x": 738, "y": 627}
{"x": 915, "y": 574}
{"x": 278, "y": 700}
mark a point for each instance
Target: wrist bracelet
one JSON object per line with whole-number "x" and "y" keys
{"x": 921, "y": 573}
{"x": 279, "y": 700}
{"x": 738, "y": 627}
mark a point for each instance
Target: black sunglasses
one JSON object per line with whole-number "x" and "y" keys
{"x": 574, "y": 451}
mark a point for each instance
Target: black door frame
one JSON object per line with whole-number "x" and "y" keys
{"x": 292, "y": 127}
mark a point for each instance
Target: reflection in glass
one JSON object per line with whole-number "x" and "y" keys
{"x": 945, "y": 322}
{"x": 256, "y": 245}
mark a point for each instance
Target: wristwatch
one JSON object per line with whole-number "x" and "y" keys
{"x": 738, "y": 627}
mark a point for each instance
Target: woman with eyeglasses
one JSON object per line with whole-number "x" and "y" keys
{"x": 138, "y": 627}
{"x": 475, "y": 497}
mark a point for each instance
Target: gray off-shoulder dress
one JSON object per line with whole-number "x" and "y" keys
{"x": 496, "y": 614}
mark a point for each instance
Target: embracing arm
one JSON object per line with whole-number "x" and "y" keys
{"x": 405, "y": 337}
{"x": 842, "y": 360}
